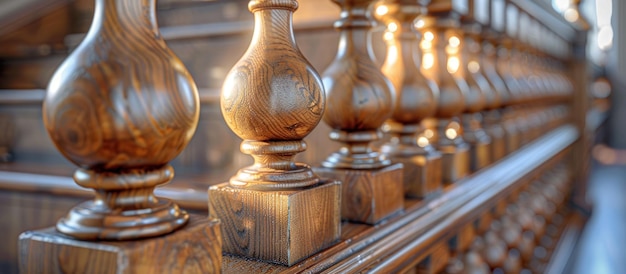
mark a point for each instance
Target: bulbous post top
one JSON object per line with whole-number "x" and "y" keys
{"x": 415, "y": 95}
{"x": 441, "y": 44}
{"x": 272, "y": 98}
{"x": 122, "y": 106}
{"x": 360, "y": 98}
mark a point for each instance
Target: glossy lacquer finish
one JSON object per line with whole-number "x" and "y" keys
{"x": 273, "y": 98}
{"x": 360, "y": 97}
{"x": 121, "y": 106}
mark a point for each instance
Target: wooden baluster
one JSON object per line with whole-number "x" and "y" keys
{"x": 360, "y": 99}
{"x": 517, "y": 63}
{"x": 482, "y": 144}
{"x": 493, "y": 118}
{"x": 504, "y": 65}
{"x": 275, "y": 210}
{"x": 441, "y": 42}
{"x": 415, "y": 100}
{"x": 122, "y": 106}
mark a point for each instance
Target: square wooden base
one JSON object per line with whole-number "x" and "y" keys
{"x": 498, "y": 144}
{"x": 480, "y": 155}
{"x": 195, "y": 248}
{"x": 455, "y": 163}
{"x": 513, "y": 138}
{"x": 283, "y": 227}
{"x": 370, "y": 195}
{"x": 422, "y": 174}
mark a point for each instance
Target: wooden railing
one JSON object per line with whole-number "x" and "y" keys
{"x": 519, "y": 147}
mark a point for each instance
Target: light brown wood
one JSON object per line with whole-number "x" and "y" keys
{"x": 360, "y": 98}
{"x": 275, "y": 210}
{"x": 121, "y": 107}
{"x": 368, "y": 196}
{"x": 441, "y": 41}
{"x": 283, "y": 227}
{"x": 415, "y": 99}
{"x": 273, "y": 98}
{"x": 194, "y": 249}
{"x": 438, "y": 258}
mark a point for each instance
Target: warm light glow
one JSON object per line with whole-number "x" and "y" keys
{"x": 428, "y": 133}
{"x": 419, "y": 23}
{"x": 382, "y": 10}
{"x": 473, "y": 66}
{"x": 392, "y": 54}
{"x": 388, "y": 36}
{"x": 453, "y": 64}
{"x": 451, "y": 133}
{"x": 422, "y": 141}
{"x": 392, "y": 27}
{"x": 605, "y": 37}
{"x": 429, "y": 36}
{"x": 571, "y": 15}
{"x": 428, "y": 60}
{"x": 426, "y": 45}
{"x": 454, "y": 41}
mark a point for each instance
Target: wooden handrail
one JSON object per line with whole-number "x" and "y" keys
{"x": 36, "y": 96}
{"x": 190, "y": 197}
{"x": 425, "y": 222}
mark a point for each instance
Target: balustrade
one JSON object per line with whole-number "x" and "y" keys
{"x": 453, "y": 152}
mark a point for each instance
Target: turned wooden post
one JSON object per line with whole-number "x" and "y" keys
{"x": 441, "y": 44}
{"x": 481, "y": 143}
{"x": 275, "y": 210}
{"x": 415, "y": 99}
{"x": 120, "y": 107}
{"x": 494, "y": 123}
{"x": 360, "y": 99}
{"x": 504, "y": 64}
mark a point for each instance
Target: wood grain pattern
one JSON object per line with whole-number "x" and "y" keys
{"x": 441, "y": 44}
{"x": 122, "y": 106}
{"x": 282, "y": 227}
{"x": 193, "y": 249}
{"x": 415, "y": 99}
{"x": 275, "y": 210}
{"x": 359, "y": 97}
{"x": 272, "y": 98}
{"x": 368, "y": 196}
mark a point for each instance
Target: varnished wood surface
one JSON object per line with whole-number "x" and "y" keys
{"x": 387, "y": 244}
{"x": 14, "y": 178}
{"x": 357, "y": 238}
{"x": 194, "y": 249}
{"x": 121, "y": 107}
{"x": 284, "y": 227}
{"x": 371, "y": 195}
{"x": 359, "y": 96}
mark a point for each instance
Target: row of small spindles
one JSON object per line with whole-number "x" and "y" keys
{"x": 123, "y": 106}
{"x": 520, "y": 238}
